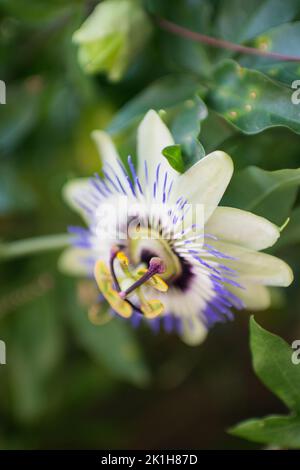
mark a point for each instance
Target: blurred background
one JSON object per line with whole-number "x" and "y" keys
{"x": 69, "y": 383}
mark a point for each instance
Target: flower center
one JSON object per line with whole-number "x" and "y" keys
{"x": 110, "y": 285}
{"x": 142, "y": 249}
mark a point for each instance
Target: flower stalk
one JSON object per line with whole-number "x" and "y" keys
{"x": 32, "y": 246}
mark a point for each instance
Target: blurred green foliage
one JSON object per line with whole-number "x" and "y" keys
{"x": 67, "y": 382}
{"x": 272, "y": 361}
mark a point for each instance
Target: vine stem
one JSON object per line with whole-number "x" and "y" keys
{"x": 33, "y": 246}
{"x": 220, "y": 43}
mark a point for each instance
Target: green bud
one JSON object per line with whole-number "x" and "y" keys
{"x": 112, "y": 36}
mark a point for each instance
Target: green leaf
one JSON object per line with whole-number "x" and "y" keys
{"x": 215, "y": 131}
{"x": 251, "y": 101}
{"x": 113, "y": 345}
{"x": 283, "y": 39}
{"x": 162, "y": 94}
{"x": 192, "y": 151}
{"x": 187, "y": 122}
{"x": 179, "y": 53}
{"x": 181, "y": 158}
{"x": 270, "y": 194}
{"x": 240, "y": 21}
{"x": 272, "y": 362}
{"x": 284, "y": 72}
{"x": 267, "y": 150}
{"x": 283, "y": 431}
{"x": 186, "y": 127}
{"x": 174, "y": 157}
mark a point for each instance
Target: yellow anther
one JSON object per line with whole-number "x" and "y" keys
{"x": 158, "y": 283}
{"x": 122, "y": 258}
{"x": 110, "y": 287}
{"x": 152, "y": 309}
{"x": 155, "y": 281}
{"x": 139, "y": 273}
{"x": 103, "y": 276}
{"x": 105, "y": 284}
{"x": 124, "y": 264}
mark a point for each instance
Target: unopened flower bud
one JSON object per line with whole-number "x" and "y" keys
{"x": 112, "y": 36}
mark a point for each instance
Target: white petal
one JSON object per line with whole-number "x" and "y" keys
{"x": 73, "y": 192}
{"x": 206, "y": 181}
{"x": 72, "y": 262}
{"x": 254, "y": 296}
{"x": 152, "y": 137}
{"x": 242, "y": 228}
{"x": 256, "y": 266}
{"x": 107, "y": 150}
{"x": 194, "y": 331}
